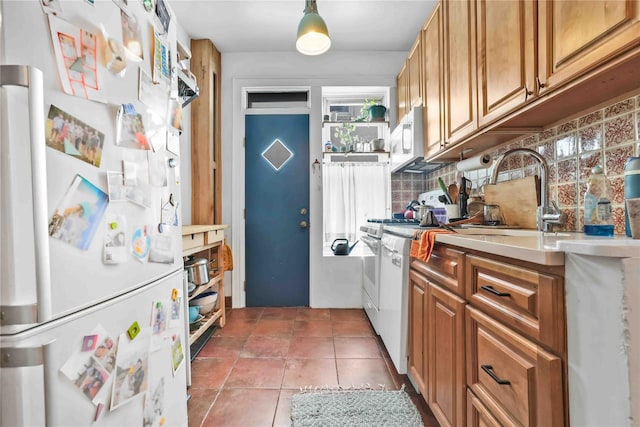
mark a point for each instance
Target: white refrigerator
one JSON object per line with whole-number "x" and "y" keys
{"x": 92, "y": 297}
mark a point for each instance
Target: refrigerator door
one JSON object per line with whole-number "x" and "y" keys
{"x": 78, "y": 278}
{"x": 36, "y": 390}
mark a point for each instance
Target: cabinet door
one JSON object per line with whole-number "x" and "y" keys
{"x": 446, "y": 356}
{"x": 506, "y": 63}
{"x": 402, "y": 82}
{"x": 577, "y": 36}
{"x": 417, "y": 330}
{"x": 459, "y": 69}
{"x": 433, "y": 111}
{"x": 415, "y": 74}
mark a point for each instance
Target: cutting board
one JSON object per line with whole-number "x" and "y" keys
{"x": 518, "y": 200}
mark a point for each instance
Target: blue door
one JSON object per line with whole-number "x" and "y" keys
{"x": 277, "y": 206}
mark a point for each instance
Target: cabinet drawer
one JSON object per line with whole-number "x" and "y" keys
{"x": 446, "y": 267}
{"x": 191, "y": 241}
{"x": 526, "y": 300}
{"x": 518, "y": 381}
{"x": 214, "y": 236}
{"x": 477, "y": 414}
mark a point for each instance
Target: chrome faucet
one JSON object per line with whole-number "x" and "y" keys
{"x": 545, "y": 216}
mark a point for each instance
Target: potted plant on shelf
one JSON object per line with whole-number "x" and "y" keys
{"x": 346, "y": 135}
{"x": 365, "y": 110}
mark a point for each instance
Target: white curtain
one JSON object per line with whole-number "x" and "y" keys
{"x": 353, "y": 192}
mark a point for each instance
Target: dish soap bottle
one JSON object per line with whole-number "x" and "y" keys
{"x": 598, "y": 220}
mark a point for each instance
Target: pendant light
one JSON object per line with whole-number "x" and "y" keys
{"x": 313, "y": 36}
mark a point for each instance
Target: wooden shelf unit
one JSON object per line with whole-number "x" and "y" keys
{"x": 206, "y": 241}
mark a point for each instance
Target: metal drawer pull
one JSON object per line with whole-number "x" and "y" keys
{"x": 493, "y": 291}
{"x": 489, "y": 370}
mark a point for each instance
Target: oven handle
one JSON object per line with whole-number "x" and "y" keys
{"x": 371, "y": 242}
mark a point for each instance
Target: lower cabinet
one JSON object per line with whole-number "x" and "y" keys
{"x": 446, "y": 356}
{"x": 480, "y": 359}
{"x": 417, "y": 330}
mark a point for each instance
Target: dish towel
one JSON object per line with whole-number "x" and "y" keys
{"x": 424, "y": 241}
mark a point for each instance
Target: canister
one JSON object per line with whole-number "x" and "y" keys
{"x": 631, "y": 186}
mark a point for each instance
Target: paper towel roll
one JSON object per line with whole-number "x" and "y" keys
{"x": 473, "y": 163}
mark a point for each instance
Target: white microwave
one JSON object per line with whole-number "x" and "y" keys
{"x": 407, "y": 142}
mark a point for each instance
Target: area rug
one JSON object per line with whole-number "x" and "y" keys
{"x": 354, "y": 408}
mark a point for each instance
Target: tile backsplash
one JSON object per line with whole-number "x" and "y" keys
{"x": 605, "y": 136}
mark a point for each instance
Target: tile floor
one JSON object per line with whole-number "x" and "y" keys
{"x": 248, "y": 371}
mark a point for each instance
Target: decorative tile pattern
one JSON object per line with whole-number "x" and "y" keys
{"x": 594, "y": 117}
{"x": 549, "y": 133}
{"x": 567, "y": 127}
{"x": 619, "y": 130}
{"x": 567, "y": 194}
{"x": 548, "y": 151}
{"x": 567, "y": 170}
{"x": 606, "y": 136}
{"x": 590, "y": 138}
{"x": 619, "y": 108}
{"x": 617, "y": 190}
{"x": 566, "y": 146}
{"x": 572, "y": 215}
{"x": 588, "y": 161}
{"x": 618, "y": 220}
{"x": 616, "y": 158}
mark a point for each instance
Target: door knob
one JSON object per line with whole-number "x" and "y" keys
{"x": 304, "y": 224}
{"x": 303, "y": 211}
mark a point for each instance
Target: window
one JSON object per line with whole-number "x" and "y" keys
{"x": 353, "y": 192}
{"x": 356, "y": 186}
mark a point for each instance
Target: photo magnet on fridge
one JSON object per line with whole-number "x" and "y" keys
{"x": 74, "y": 137}
{"x": 78, "y": 215}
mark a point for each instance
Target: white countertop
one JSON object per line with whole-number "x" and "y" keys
{"x": 531, "y": 245}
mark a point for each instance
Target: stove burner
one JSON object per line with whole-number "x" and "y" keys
{"x": 395, "y": 221}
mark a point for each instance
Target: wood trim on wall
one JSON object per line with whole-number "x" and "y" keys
{"x": 206, "y": 135}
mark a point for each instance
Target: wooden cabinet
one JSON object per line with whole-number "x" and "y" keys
{"x": 437, "y": 339}
{"x": 487, "y": 339}
{"x": 446, "y": 356}
{"x": 511, "y": 68}
{"x": 575, "y": 37}
{"x": 402, "y": 84}
{"x": 459, "y": 23}
{"x": 414, "y": 62}
{"x": 206, "y": 241}
{"x": 433, "y": 103}
{"x": 417, "y": 330}
{"x": 506, "y": 51}
{"x": 519, "y": 382}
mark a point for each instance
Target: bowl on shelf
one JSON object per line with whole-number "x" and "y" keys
{"x": 194, "y": 312}
{"x": 191, "y": 287}
{"x": 197, "y": 322}
{"x": 206, "y": 301}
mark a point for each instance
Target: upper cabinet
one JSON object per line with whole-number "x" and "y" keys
{"x": 415, "y": 75}
{"x": 459, "y": 69}
{"x": 433, "y": 111}
{"x": 490, "y": 71}
{"x": 402, "y": 83}
{"x": 576, "y": 37}
{"x": 506, "y": 56}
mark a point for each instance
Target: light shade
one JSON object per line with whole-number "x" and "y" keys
{"x": 313, "y": 36}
